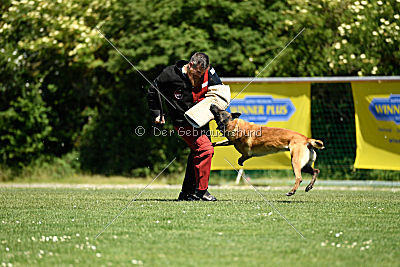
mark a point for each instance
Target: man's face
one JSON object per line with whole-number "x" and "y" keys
{"x": 196, "y": 71}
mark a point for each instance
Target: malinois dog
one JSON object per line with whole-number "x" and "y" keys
{"x": 252, "y": 140}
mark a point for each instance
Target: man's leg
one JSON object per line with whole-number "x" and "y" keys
{"x": 202, "y": 164}
{"x": 189, "y": 182}
{"x": 202, "y": 149}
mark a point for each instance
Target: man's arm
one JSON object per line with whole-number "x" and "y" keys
{"x": 213, "y": 77}
{"x": 154, "y": 101}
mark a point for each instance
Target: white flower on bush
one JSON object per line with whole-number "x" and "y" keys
{"x": 374, "y": 70}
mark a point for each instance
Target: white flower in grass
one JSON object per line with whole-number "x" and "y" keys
{"x": 352, "y": 56}
{"x": 17, "y": 222}
{"x": 93, "y": 247}
{"x": 397, "y": 16}
{"x": 379, "y": 3}
{"x": 323, "y": 244}
{"x": 7, "y": 249}
{"x": 362, "y": 56}
{"x": 98, "y": 255}
{"x": 138, "y": 262}
{"x": 338, "y": 245}
{"x": 337, "y": 45}
{"x": 375, "y": 33}
{"x": 55, "y": 239}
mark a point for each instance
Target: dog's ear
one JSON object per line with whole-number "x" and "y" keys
{"x": 235, "y": 115}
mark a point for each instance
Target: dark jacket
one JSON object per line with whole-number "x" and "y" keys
{"x": 177, "y": 88}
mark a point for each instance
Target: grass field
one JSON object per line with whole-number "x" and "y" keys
{"x": 46, "y": 226}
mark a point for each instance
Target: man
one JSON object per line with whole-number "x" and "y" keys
{"x": 185, "y": 84}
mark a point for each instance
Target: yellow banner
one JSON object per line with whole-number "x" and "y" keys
{"x": 377, "y": 111}
{"x": 272, "y": 104}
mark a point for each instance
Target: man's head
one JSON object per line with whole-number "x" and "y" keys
{"x": 197, "y": 66}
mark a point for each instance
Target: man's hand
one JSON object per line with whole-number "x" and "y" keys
{"x": 158, "y": 120}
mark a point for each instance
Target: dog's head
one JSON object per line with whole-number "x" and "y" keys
{"x": 223, "y": 117}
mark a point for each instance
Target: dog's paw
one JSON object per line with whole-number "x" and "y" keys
{"x": 309, "y": 187}
{"x": 290, "y": 193}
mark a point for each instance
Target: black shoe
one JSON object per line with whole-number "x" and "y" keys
{"x": 205, "y": 195}
{"x": 184, "y": 196}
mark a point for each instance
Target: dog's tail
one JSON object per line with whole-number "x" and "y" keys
{"x": 318, "y": 144}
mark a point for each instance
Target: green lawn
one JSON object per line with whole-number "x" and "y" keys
{"x": 58, "y": 226}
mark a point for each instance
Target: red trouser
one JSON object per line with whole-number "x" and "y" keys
{"x": 201, "y": 154}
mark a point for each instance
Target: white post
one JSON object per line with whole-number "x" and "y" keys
{"x": 240, "y": 173}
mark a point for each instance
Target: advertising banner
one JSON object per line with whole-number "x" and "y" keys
{"x": 285, "y": 105}
{"x": 377, "y": 115}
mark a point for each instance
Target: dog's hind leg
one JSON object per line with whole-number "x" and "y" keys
{"x": 314, "y": 178}
{"x": 308, "y": 169}
{"x": 297, "y": 153}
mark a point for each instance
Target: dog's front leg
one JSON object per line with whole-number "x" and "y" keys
{"x": 242, "y": 159}
{"x": 222, "y": 143}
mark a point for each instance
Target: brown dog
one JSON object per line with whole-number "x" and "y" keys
{"x": 253, "y": 140}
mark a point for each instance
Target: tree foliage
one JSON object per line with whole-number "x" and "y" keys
{"x": 63, "y": 87}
